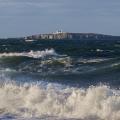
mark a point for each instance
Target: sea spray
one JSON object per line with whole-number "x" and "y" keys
{"x": 98, "y": 102}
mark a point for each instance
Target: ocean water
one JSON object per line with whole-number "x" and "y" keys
{"x": 60, "y": 80}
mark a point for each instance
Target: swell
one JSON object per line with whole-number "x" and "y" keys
{"x": 49, "y": 61}
{"x": 51, "y": 66}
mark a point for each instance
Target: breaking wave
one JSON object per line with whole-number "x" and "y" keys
{"x": 32, "y": 54}
{"x": 38, "y": 101}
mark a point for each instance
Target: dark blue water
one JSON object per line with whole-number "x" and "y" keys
{"x": 87, "y": 62}
{"x": 44, "y": 78}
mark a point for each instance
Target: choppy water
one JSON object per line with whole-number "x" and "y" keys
{"x": 60, "y": 80}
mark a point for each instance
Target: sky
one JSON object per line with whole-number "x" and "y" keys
{"x": 20, "y": 18}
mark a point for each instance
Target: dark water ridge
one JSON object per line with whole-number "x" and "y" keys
{"x": 75, "y": 62}
{"x": 84, "y": 48}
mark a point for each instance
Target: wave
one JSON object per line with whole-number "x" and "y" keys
{"x": 32, "y": 54}
{"x": 52, "y": 66}
{"x": 36, "y": 101}
{"x": 54, "y": 63}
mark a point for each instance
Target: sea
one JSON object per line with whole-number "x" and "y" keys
{"x": 60, "y": 80}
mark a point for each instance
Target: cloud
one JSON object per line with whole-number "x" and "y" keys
{"x": 29, "y": 7}
{"x": 46, "y": 15}
{"x": 59, "y": 8}
{"x": 39, "y": 3}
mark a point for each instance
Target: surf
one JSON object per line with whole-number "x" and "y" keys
{"x": 37, "y": 101}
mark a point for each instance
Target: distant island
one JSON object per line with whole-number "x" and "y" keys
{"x": 59, "y": 35}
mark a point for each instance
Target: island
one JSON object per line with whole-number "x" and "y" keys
{"x": 59, "y": 35}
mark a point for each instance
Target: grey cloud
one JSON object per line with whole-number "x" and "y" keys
{"x": 34, "y": 16}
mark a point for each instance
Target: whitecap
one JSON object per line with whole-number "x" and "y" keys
{"x": 33, "y": 54}
{"x": 35, "y": 101}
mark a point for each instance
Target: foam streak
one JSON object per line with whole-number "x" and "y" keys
{"x": 34, "y": 54}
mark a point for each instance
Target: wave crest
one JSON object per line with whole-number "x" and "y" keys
{"x": 99, "y": 102}
{"x": 33, "y": 54}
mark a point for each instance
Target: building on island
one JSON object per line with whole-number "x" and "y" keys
{"x": 60, "y": 35}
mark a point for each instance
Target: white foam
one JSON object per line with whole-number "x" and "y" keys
{"x": 95, "y": 60}
{"x": 34, "y": 54}
{"x": 95, "y": 103}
